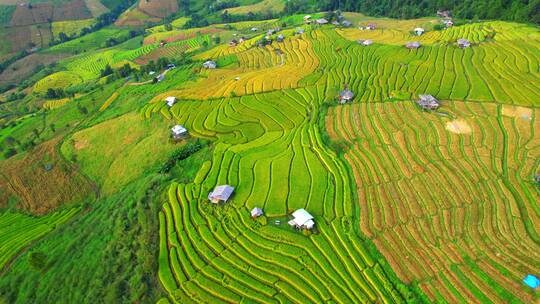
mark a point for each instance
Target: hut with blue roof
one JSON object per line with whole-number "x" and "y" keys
{"x": 532, "y": 281}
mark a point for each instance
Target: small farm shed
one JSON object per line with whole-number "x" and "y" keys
{"x": 412, "y": 45}
{"x": 419, "y": 31}
{"x": 532, "y": 281}
{"x": 448, "y": 22}
{"x": 366, "y": 42}
{"x": 280, "y": 38}
{"x": 345, "y": 95}
{"x": 444, "y": 13}
{"x": 302, "y": 219}
{"x": 463, "y": 43}
{"x": 209, "y": 64}
{"x": 160, "y": 77}
{"x": 179, "y": 132}
{"x": 256, "y": 212}
{"x": 321, "y": 21}
{"x": 233, "y": 42}
{"x": 371, "y": 26}
{"x": 220, "y": 193}
{"x": 300, "y": 31}
{"x": 254, "y": 29}
{"x": 346, "y": 23}
{"x": 307, "y": 18}
{"x": 428, "y": 102}
{"x": 537, "y": 179}
{"x": 171, "y": 100}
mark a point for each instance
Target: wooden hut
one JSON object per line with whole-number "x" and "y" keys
{"x": 412, "y": 45}
{"x": 428, "y": 102}
{"x": 220, "y": 194}
{"x": 463, "y": 43}
{"x": 256, "y": 212}
{"x": 302, "y": 219}
{"x": 178, "y": 132}
{"x": 345, "y": 95}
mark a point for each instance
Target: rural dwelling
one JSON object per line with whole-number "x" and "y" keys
{"x": 428, "y": 102}
{"x": 444, "y": 14}
{"x": 302, "y": 219}
{"x": 412, "y": 45}
{"x": 371, "y": 26}
{"x": 209, "y": 64}
{"x": 321, "y": 21}
{"x": 532, "y": 281}
{"x": 220, "y": 193}
{"x": 242, "y": 39}
{"x": 299, "y": 31}
{"x": 171, "y": 100}
{"x": 233, "y": 42}
{"x": 346, "y": 23}
{"x": 345, "y": 95}
{"x": 448, "y": 22}
{"x": 160, "y": 77}
{"x": 335, "y": 22}
{"x": 254, "y": 29}
{"x": 463, "y": 43}
{"x": 179, "y": 132}
{"x": 280, "y": 38}
{"x": 256, "y": 212}
{"x": 419, "y": 31}
{"x": 307, "y": 19}
{"x": 366, "y": 42}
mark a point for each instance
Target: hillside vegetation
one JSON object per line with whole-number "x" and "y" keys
{"x": 409, "y": 205}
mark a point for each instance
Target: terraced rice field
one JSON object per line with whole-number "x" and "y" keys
{"x": 387, "y": 69}
{"x": 446, "y": 198}
{"x": 56, "y": 81}
{"x": 18, "y": 230}
{"x": 269, "y": 147}
{"x": 457, "y": 213}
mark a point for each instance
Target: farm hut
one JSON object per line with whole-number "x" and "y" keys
{"x": 170, "y": 66}
{"x": 256, "y": 212}
{"x": 179, "y": 132}
{"x": 463, "y": 43}
{"x": 280, "y": 38}
{"x": 371, "y": 26}
{"x": 335, "y": 22}
{"x": 242, "y": 39}
{"x": 412, "y": 45}
{"x": 448, "y": 23}
{"x": 162, "y": 43}
{"x": 160, "y": 77}
{"x": 299, "y": 31}
{"x": 233, "y": 42}
{"x": 321, "y": 21}
{"x": 346, "y": 23}
{"x": 366, "y": 42}
{"x": 302, "y": 219}
{"x": 220, "y": 193}
{"x": 345, "y": 95}
{"x": 151, "y": 73}
{"x": 532, "y": 281}
{"x": 537, "y": 179}
{"x": 171, "y": 100}
{"x": 428, "y": 102}
{"x": 419, "y": 31}
{"x": 209, "y": 64}
{"x": 307, "y": 19}
{"x": 444, "y": 13}
{"x": 254, "y": 29}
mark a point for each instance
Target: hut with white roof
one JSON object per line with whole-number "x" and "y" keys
{"x": 179, "y": 132}
{"x": 302, "y": 219}
{"x": 463, "y": 43}
{"x": 210, "y": 64}
{"x": 256, "y": 212}
{"x": 171, "y": 100}
{"x": 419, "y": 31}
{"x": 345, "y": 95}
{"x": 321, "y": 21}
{"x": 220, "y": 193}
{"x": 428, "y": 102}
{"x": 412, "y": 45}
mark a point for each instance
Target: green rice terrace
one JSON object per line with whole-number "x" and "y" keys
{"x": 267, "y": 157}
